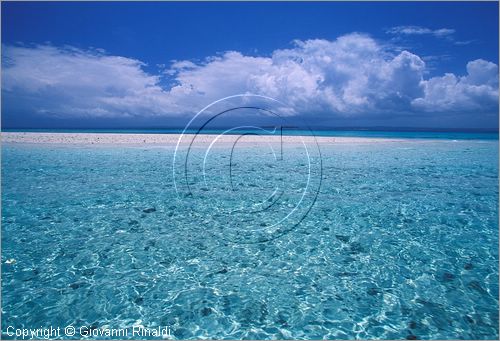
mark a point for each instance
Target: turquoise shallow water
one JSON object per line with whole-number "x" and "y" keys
{"x": 401, "y": 241}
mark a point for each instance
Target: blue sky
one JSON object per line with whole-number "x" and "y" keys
{"x": 336, "y": 64}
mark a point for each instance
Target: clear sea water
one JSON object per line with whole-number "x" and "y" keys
{"x": 400, "y": 242}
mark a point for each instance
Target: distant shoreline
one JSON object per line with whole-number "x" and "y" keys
{"x": 172, "y": 139}
{"x": 286, "y": 131}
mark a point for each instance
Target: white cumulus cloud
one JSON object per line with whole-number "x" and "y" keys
{"x": 353, "y": 75}
{"x": 476, "y": 91}
{"x": 66, "y": 81}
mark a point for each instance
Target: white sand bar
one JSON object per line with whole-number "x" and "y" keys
{"x": 171, "y": 139}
